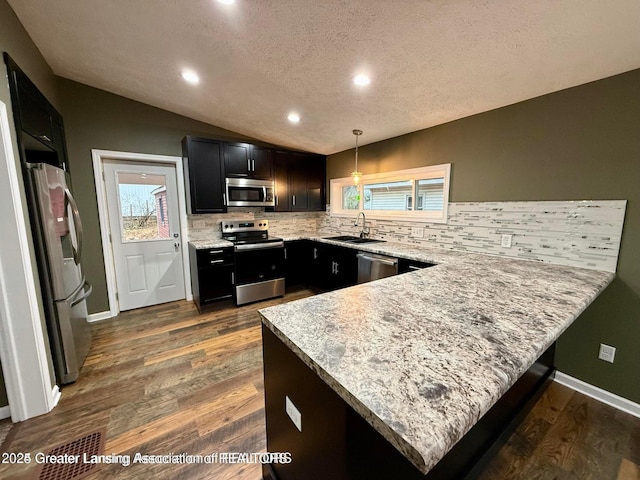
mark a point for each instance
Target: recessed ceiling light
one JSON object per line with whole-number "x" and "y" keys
{"x": 190, "y": 76}
{"x": 293, "y": 117}
{"x": 361, "y": 80}
{"x": 227, "y": 2}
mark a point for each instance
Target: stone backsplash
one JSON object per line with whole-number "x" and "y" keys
{"x": 576, "y": 233}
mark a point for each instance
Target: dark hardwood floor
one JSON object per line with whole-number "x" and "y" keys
{"x": 165, "y": 379}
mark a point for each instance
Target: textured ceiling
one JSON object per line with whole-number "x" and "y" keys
{"x": 430, "y": 61}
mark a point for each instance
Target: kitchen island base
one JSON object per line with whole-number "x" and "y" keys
{"x": 336, "y": 442}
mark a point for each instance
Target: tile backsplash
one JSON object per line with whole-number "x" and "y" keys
{"x": 576, "y": 233}
{"x": 207, "y": 227}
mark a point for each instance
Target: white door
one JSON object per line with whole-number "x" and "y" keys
{"x": 142, "y": 201}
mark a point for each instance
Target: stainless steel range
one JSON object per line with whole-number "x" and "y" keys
{"x": 258, "y": 260}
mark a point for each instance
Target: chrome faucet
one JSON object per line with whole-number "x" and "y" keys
{"x": 365, "y": 230}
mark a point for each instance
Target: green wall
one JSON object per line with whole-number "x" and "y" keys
{"x": 580, "y": 143}
{"x": 95, "y": 119}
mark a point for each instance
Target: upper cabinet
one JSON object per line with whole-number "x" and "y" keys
{"x": 299, "y": 177}
{"x": 244, "y": 160}
{"x": 39, "y": 125}
{"x": 204, "y": 175}
{"x": 300, "y": 181}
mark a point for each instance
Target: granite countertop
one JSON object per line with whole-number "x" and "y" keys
{"x": 423, "y": 355}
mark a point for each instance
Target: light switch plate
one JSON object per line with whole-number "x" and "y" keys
{"x": 293, "y": 412}
{"x": 506, "y": 240}
{"x": 417, "y": 232}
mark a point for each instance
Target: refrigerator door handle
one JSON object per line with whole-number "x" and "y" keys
{"x": 75, "y": 292}
{"x": 77, "y": 254}
{"x": 84, "y": 295}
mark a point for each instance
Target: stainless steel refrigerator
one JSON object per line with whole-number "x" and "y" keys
{"x": 58, "y": 239}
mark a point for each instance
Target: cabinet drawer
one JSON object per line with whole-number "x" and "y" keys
{"x": 214, "y": 256}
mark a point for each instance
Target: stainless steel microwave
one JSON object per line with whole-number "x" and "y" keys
{"x": 245, "y": 192}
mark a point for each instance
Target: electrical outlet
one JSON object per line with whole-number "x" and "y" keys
{"x": 198, "y": 224}
{"x": 506, "y": 240}
{"x": 607, "y": 353}
{"x": 293, "y": 412}
{"x": 417, "y": 232}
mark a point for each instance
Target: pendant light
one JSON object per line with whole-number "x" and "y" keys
{"x": 356, "y": 174}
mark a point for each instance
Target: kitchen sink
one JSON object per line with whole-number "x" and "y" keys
{"x": 352, "y": 239}
{"x": 344, "y": 238}
{"x": 365, "y": 240}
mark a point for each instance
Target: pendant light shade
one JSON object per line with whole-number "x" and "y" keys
{"x": 356, "y": 174}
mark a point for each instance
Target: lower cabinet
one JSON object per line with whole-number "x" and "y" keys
{"x": 297, "y": 254}
{"x": 211, "y": 275}
{"x": 333, "y": 267}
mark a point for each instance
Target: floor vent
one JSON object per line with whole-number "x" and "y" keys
{"x": 91, "y": 444}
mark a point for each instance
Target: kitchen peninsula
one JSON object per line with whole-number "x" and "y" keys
{"x": 392, "y": 374}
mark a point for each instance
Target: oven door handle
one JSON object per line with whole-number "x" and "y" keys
{"x": 258, "y": 246}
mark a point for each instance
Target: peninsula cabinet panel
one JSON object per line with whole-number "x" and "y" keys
{"x": 204, "y": 175}
{"x": 336, "y": 442}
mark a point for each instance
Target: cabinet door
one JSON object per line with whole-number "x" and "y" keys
{"x": 316, "y": 183}
{"x": 204, "y": 177}
{"x": 307, "y": 182}
{"x": 343, "y": 264}
{"x": 261, "y": 163}
{"x": 297, "y": 255}
{"x": 320, "y": 266}
{"x": 215, "y": 283}
{"x": 39, "y": 125}
{"x": 281, "y": 177}
{"x": 237, "y": 159}
{"x": 298, "y": 167}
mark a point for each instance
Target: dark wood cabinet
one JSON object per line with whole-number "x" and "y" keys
{"x": 281, "y": 180}
{"x": 211, "y": 275}
{"x": 204, "y": 175}
{"x": 300, "y": 181}
{"x": 297, "y": 257}
{"x": 299, "y": 177}
{"x": 39, "y": 125}
{"x": 333, "y": 267}
{"x": 245, "y": 160}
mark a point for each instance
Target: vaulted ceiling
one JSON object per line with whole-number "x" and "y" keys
{"x": 429, "y": 61}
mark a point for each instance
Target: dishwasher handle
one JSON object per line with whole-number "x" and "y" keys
{"x": 390, "y": 262}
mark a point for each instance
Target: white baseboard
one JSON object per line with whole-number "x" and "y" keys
{"x": 96, "y": 317}
{"x": 55, "y": 396}
{"x": 599, "y": 394}
{"x": 5, "y": 412}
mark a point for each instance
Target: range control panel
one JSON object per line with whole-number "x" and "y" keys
{"x": 235, "y": 226}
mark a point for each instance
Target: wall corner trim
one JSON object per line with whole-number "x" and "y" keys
{"x": 599, "y": 394}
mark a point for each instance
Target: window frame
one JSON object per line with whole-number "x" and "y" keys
{"x": 412, "y": 174}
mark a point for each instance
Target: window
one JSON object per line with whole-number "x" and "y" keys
{"x": 390, "y": 195}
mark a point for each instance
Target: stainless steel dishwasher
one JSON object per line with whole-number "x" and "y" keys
{"x": 372, "y": 266}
